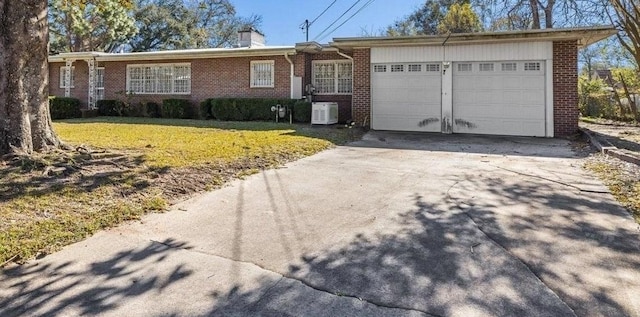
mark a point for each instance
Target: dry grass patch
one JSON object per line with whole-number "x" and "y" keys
{"x": 121, "y": 168}
{"x": 622, "y": 178}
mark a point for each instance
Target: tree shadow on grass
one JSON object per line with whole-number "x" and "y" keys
{"x": 68, "y": 289}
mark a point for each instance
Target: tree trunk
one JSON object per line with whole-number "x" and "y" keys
{"x": 548, "y": 14}
{"x": 25, "y": 122}
{"x": 535, "y": 14}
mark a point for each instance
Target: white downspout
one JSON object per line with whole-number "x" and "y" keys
{"x": 291, "y": 94}
{"x": 345, "y": 56}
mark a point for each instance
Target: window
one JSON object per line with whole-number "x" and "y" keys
{"x": 533, "y": 66}
{"x": 414, "y": 68}
{"x": 433, "y": 67}
{"x": 63, "y": 72}
{"x": 159, "y": 79}
{"x": 333, "y": 77}
{"x": 379, "y": 68}
{"x": 397, "y": 68}
{"x": 486, "y": 67}
{"x": 466, "y": 67}
{"x": 509, "y": 67}
{"x": 262, "y": 74}
{"x": 99, "y": 83}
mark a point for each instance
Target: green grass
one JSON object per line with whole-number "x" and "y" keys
{"x": 125, "y": 167}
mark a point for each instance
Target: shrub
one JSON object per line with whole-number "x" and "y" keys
{"x": 110, "y": 107}
{"x": 152, "y": 110}
{"x": 64, "y": 108}
{"x": 249, "y": 109}
{"x": 204, "y": 111}
{"x": 176, "y": 108}
{"x": 302, "y": 111}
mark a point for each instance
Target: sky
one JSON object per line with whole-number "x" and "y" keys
{"x": 281, "y": 19}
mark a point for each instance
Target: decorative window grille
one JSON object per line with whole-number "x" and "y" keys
{"x": 99, "y": 83}
{"x": 262, "y": 74}
{"x": 159, "y": 79}
{"x": 333, "y": 77}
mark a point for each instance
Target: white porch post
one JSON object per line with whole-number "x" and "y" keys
{"x": 91, "y": 96}
{"x": 67, "y": 77}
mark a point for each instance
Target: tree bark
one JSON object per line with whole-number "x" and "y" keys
{"x": 535, "y": 14}
{"x": 25, "y": 122}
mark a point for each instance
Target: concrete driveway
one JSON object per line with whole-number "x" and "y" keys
{"x": 393, "y": 225}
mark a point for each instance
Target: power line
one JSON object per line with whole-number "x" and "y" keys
{"x": 306, "y": 24}
{"x": 336, "y": 20}
{"x": 323, "y": 12}
{"x": 349, "y": 18}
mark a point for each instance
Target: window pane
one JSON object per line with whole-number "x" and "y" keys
{"x": 149, "y": 79}
{"x": 509, "y": 67}
{"x": 433, "y": 67}
{"x": 486, "y": 67}
{"x": 182, "y": 79}
{"x": 262, "y": 74}
{"x": 164, "y": 79}
{"x": 324, "y": 77}
{"x": 464, "y": 67}
{"x": 397, "y": 68}
{"x": 379, "y": 68}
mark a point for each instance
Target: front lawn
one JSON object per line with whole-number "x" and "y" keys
{"x": 117, "y": 169}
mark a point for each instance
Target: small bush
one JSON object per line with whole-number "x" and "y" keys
{"x": 110, "y": 107}
{"x": 204, "y": 111}
{"x": 176, "y": 108}
{"x": 64, "y": 108}
{"x": 249, "y": 109}
{"x": 152, "y": 110}
{"x": 302, "y": 111}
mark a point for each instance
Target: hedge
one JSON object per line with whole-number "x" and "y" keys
{"x": 252, "y": 109}
{"x": 64, "y": 108}
{"x": 176, "y": 108}
{"x": 112, "y": 108}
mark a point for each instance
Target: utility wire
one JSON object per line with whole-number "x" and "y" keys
{"x": 336, "y": 20}
{"x": 349, "y": 18}
{"x": 323, "y": 12}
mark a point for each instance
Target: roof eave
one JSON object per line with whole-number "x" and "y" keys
{"x": 584, "y": 36}
{"x": 172, "y": 55}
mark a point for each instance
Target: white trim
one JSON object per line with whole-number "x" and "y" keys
{"x": 549, "y": 91}
{"x": 173, "y": 79}
{"x": 271, "y": 63}
{"x": 73, "y": 77}
{"x": 336, "y": 85}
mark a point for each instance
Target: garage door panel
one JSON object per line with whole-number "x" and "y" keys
{"x": 509, "y": 102}
{"x": 406, "y": 101}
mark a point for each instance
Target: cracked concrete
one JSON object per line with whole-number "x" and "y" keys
{"x": 415, "y": 225}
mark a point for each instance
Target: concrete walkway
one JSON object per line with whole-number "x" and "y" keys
{"x": 394, "y": 225}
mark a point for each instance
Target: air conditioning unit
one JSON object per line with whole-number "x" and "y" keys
{"x": 324, "y": 113}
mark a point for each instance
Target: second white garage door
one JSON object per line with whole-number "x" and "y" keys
{"x": 506, "y": 98}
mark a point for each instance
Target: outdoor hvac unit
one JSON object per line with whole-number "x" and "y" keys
{"x": 324, "y": 113}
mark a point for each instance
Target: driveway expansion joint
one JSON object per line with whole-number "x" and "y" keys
{"x": 301, "y": 281}
{"x": 515, "y": 257}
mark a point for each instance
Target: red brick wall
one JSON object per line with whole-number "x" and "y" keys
{"x": 565, "y": 88}
{"x": 210, "y": 78}
{"x": 344, "y": 101}
{"x": 81, "y": 83}
{"x": 362, "y": 86}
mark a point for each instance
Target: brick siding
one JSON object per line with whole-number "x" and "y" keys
{"x": 344, "y": 101}
{"x": 210, "y": 78}
{"x": 362, "y": 86}
{"x": 565, "y": 88}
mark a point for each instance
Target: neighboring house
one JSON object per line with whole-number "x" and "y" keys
{"x": 605, "y": 75}
{"x": 505, "y": 83}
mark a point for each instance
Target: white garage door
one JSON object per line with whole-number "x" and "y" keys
{"x": 506, "y": 98}
{"x": 406, "y": 97}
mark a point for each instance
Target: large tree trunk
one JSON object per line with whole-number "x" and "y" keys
{"x": 25, "y": 123}
{"x": 535, "y": 14}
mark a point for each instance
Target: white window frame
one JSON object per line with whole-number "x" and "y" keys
{"x": 63, "y": 69}
{"x": 252, "y": 80}
{"x": 336, "y": 78}
{"x": 154, "y": 81}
